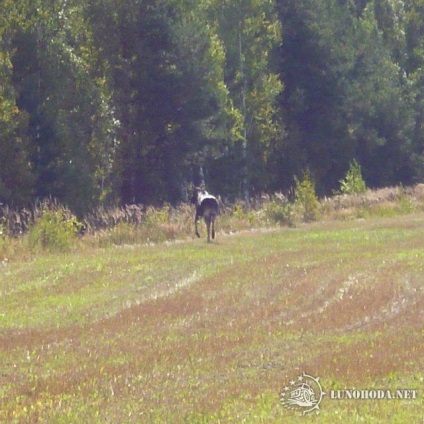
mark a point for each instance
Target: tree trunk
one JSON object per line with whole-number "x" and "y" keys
{"x": 244, "y": 154}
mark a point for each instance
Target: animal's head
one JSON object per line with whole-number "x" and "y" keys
{"x": 197, "y": 191}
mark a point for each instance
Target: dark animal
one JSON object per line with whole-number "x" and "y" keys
{"x": 207, "y": 208}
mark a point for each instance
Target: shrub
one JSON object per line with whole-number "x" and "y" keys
{"x": 280, "y": 212}
{"x": 155, "y": 217}
{"x": 245, "y": 216}
{"x": 306, "y": 199}
{"x": 54, "y": 230}
{"x": 353, "y": 183}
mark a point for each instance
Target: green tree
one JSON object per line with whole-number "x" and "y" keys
{"x": 353, "y": 182}
{"x": 318, "y": 53}
{"x": 414, "y": 34}
{"x": 56, "y": 87}
{"x": 251, "y": 35}
{"x": 306, "y": 199}
{"x": 390, "y": 18}
{"x": 346, "y": 91}
{"x": 16, "y": 174}
{"x": 379, "y": 108}
{"x": 163, "y": 64}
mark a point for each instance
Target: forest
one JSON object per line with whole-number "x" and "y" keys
{"x": 112, "y": 102}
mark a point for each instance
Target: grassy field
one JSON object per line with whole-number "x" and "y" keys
{"x": 190, "y": 332}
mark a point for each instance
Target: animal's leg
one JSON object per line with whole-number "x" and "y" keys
{"x": 196, "y": 220}
{"x": 213, "y": 227}
{"x": 208, "y": 225}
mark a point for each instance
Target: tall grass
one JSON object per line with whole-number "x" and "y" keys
{"x": 50, "y": 226}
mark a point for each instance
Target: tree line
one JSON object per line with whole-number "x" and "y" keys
{"x": 130, "y": 101}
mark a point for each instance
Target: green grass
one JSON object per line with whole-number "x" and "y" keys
{"x": 191, "y": 332}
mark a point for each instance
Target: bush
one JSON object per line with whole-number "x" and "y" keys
{"x": 280, "y": 212}
{"x": 244, "y": 215}
{"x": 54, "y": 230}
{"x": 155, "y": 217}
{"x": 306, "y": 199}
{"x": 353, "y": 183}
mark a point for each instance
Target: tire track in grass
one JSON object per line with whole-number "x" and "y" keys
{"x": 20, "y": 338}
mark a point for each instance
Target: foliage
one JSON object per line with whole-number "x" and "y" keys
{"x": 115, "y": 103}
{"x": 156, "y": 217}
{"x": 250, "y": 32}
{"x": 242, "y": 213}
{"x": 54, "y": 230}
{"x": 306, "y": 199}
{"x": 280, "y": 212}
{"x": 353, "y": 98}
{"x": 353, "y": 183}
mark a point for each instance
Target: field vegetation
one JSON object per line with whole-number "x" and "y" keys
{"x": 134, "y": 321}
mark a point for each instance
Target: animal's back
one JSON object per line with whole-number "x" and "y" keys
{"x": 208, "y": 206}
